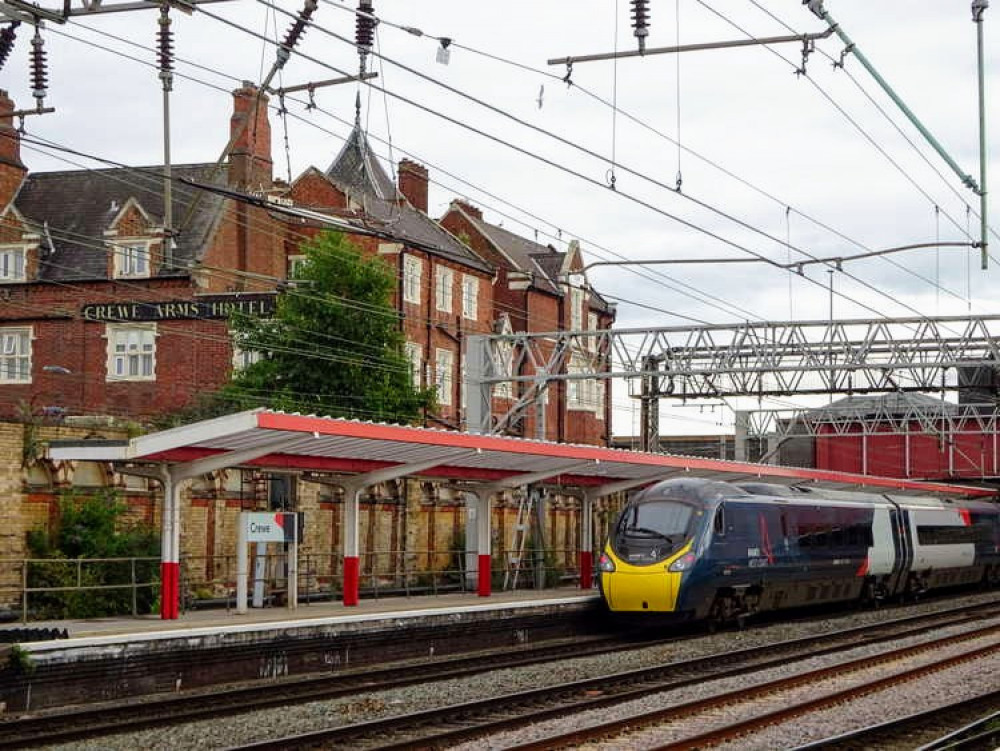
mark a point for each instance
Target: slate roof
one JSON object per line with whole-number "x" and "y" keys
{"x": 543, "y": 262}
{"x": 358, "y": 173}
{"x": 896, "y": 403}
{"x": 80, "y": 205}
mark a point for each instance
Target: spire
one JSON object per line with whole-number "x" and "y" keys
{"x": 357, "y": 109}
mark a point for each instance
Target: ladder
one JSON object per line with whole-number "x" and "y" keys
{"x": 522, "y": 528}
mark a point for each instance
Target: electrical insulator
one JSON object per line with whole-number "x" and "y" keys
{"x": 364, "y": 31}
{"x": 7, "y": 35}
{"x": 165, "y": 42}
{"x": 298, "y": 27}
{"x": 39, "y": 69}
{"x": 640, "y": 21}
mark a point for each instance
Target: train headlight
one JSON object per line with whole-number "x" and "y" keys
{"x": 683, "y": 563}
{"x": 605, "y": 564}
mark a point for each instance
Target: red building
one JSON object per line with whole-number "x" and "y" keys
{"x": 102, "y": 313}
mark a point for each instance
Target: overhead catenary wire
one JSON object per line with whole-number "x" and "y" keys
{"x": 576, "y": 173}
{"x": 684, "y": 287}
{"x": 677, "y": 142}
{"x": 871, "y": 309}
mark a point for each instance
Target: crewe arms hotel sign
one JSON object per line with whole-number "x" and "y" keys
{"x": 214, "y": 307}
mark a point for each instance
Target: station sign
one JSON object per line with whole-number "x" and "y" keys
{"x": 272, "y": 526}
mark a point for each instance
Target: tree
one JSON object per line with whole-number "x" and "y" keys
{"x": 334, "y": 345}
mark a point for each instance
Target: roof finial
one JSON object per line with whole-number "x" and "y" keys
{"x": 357, "y": 109}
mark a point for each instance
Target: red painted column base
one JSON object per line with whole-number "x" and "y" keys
{"x": 352, "y": 580}
{"x": 485, "y": 575}
{"x": 586, "y": 569}
{"x": 170, "y": 590}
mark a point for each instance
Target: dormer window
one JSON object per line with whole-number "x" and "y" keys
{"x": 131, "y": 259}
{"x": 12, "y": 264}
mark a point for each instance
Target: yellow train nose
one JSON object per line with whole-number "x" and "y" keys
{"x": 637, "y": 589}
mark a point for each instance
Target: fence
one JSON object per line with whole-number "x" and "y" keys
{"x": 80, "y": 587}
{"x": 53, "y": 588}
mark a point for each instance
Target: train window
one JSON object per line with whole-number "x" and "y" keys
{"x": 719, "y": 524}
{"x": 939, "y": 534}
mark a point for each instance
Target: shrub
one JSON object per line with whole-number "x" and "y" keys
{"x": 92, "y": 527}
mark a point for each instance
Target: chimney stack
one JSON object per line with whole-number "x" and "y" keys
{"x": 250, "y": 164}
{"x": 473, "y": 211}
{"x": 413, "y": 183}
{"x": 12, "y": 169}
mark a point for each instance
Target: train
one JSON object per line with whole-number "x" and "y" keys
{"x": 700, "y": 549}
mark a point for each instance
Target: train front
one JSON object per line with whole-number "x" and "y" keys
{"x": 652, "y": 546}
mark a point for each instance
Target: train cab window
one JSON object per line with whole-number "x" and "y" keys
{"x": 648, "y": 532}
{"x": 663, "y": 518}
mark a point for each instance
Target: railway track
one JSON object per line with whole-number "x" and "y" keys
{"x": 970, "y": 725}
{"x": 107, "y": 719}
{"x": 706, "y": 710}
{"x": 444, "y": 726}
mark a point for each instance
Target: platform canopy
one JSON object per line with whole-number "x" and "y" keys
{"x": 293, "y": 442}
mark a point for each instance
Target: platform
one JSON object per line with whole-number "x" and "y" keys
{"x": 201, "y": 622}
{"x": 112, "y": 658}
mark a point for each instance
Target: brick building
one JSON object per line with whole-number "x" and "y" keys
{"x": 102, "y": 313}
{"x": 539, "y": 289}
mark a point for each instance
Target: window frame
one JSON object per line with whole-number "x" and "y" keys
{"x": 16, "y": 333}
{"x": 121, "y": 250}
{"x": 444, "y": 377}
{"x": 470, "y": 303}
{"x": 413, "y": 272}
{"x": 415, "y": 357}
{"x": 444, "y": 288}
{"x": 17, "y": 252}
{"x": 111, "y": 332}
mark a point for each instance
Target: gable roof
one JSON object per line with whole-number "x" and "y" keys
{"x": 544, "y": 263}
{"x": 522, "y": 253}
{"x": 358, "y": 173}
{"x": 78, "y": 206}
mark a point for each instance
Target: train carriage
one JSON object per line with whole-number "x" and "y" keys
{"x": 695, "y": 548}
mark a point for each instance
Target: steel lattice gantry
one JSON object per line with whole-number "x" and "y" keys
{"x": 744, "y": 359}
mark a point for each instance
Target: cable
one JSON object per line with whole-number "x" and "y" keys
{"x": 651, "y": 277}
{"x": 838, "y": 64}
{"x": 585, "y": 178}
{"x": 613, "y": 105}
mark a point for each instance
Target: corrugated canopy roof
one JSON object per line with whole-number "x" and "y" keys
{"x": 280, "y": 441}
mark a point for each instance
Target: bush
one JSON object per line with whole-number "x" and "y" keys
{"x": 92, "y": 527}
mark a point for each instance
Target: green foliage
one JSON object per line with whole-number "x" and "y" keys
{"x": 92, "y": 527}
{"x": 334, "y": 348}
{"x": 21, "y": 660}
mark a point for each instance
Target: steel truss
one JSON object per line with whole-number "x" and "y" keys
{"x": 785, "y": 358}
{"x": 946, "y": 419}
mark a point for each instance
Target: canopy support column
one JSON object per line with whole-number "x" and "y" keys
{"x": 352, "y": 555}
{"x": 170, "y": 574}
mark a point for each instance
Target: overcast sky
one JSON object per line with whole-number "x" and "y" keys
{"x": 801, "y": 161}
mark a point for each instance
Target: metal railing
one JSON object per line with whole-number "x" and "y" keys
{"x": 48, "y": 586}
{"x": 52, "y": 588}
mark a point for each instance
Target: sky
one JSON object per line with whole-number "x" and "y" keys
{"x": 822, "y": 164}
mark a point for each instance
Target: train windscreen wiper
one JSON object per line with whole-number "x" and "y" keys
{"x": 645, "y": 532}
